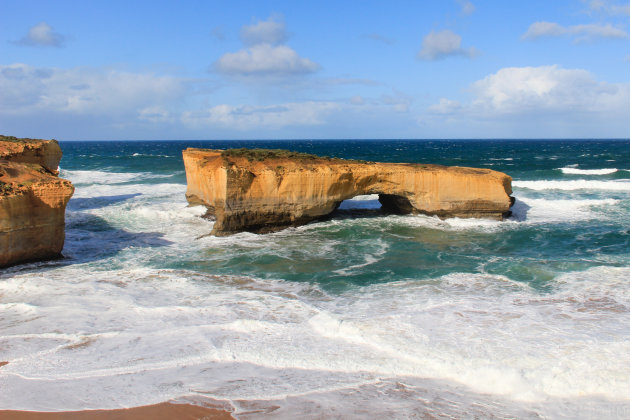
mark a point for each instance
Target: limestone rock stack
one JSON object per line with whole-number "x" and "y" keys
{"x": 32, "y": 200}
{"x": 268, "y": 190}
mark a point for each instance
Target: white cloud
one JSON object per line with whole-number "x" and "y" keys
{"x": 155, "y": 114}
{"x": 374, "y": 36}
{"x": 264, "y": 54}
{"x": 467, "y": 7}
{"x": 398, "y": 100}
{"x": 81, "y": 91}
{"x": 438, "y": 45}
{"x": 546, "y": 101}
{"x": 587, "y": 32}
{"x": 620, "y": 9}
{"x": 603, "y": 6}
{"x": 265, "y": 59}
{"x": 545, "y": 90}
{"x": 269, "y": 31}
{"x": 445, "y": 106}
{"x": 357, "y": 100}
{"x": 246, "y": 117}
{"x": 42, "y": 35}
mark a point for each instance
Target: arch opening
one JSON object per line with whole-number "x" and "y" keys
{"x": 372, "y": 205}
{"x": 396, "y": 204}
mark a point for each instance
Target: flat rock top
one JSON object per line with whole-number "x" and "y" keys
{"x": 17, "y": 178}
{"x": 258, "y": 158}
{"x": 10, "y": 145}
{"x": 46, "y": 153}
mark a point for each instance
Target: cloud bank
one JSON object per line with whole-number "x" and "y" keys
{"x": 31, "y": 90}
{"x": 608, "y": 7}
{"x": 246, "y": 117}
{"x": 547, "y": 90}
{"x": 579, "y": 33}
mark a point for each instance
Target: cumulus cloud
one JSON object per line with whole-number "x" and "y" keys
{"x": 42, "y": 35}
{"x": 265, "y": 59}
{"x": 246, "y": 117}
{"x": 28, "y": 90}
{"x": 546, "y": 101}
{"x": 439, "y": 45}
{"x": 467, "y": 7}
{"x": 542, "y": 90}
{"x": 580, "y": 33}
{"x": 265, "y": 54}
{"x": 271, "y": 31}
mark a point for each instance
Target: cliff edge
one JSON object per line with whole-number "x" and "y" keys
{"x": 267, "y": 190}
{"x": 32, "y": 200}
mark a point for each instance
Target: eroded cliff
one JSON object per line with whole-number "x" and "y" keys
{"x": 32, "y": 200}
{"x": 262, "y": 191}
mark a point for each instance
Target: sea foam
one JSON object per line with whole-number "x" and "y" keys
{"x": 488, "y": 333}
{"x": 581, "y": 184}
{"x": 575, "y": 171}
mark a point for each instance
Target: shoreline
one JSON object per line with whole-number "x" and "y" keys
{"x": 161, "y": 411}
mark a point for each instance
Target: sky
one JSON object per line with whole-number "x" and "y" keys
{"x": 130, "y": 70}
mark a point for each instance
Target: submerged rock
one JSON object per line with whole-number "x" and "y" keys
{"x": 268, "y": 190}
{"x": 32, "y": 200}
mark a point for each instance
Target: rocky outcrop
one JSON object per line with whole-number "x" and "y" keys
{"x": 46, "y": 153}
{"x": 263, "y": 191}
{"x": 32, "y": 200}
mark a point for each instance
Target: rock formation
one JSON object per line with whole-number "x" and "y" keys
{"x": 32, "y": 200}
{"x": 267, "y": 190}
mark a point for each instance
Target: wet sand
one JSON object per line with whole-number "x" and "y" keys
{"x": 162, "y": 411}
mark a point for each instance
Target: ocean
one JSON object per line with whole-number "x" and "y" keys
{"x": 365, "y": 315}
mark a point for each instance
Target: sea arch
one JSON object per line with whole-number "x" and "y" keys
{"x": 268, "y": 190}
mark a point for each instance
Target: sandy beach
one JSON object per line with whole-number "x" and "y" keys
{"x": 166, "y": 410}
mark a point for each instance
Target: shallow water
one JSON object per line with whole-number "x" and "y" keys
{"x": 366, "y": 314}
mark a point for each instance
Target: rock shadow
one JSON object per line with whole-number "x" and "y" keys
{"x": 90, "y": 238}
{"x": 92, "y": 203}
{"x": 519, "y": 211}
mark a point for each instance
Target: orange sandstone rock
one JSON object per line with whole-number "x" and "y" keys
{"x": 32, "y": 200}
{"x": 263, "y": 191}
{"x": 46, "y": 153}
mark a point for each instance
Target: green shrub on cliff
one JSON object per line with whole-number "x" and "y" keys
{"x": 259, "y": 155}
{"x": 262, "y": 154}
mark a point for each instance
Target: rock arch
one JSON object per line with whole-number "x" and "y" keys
{"x": 263, "y": 191}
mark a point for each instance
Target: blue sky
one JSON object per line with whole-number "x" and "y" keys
{"x": 76, "y": 70}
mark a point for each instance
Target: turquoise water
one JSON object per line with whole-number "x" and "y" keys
{"x": 534, "y": 253}
{"x": 527, "y": 317}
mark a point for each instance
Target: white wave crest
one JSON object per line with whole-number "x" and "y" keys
{"x": 246, "y": 338}
{"x": 578, "y": 184}
{"x": 104, "y": 177}
{"x": 542, "y": 210}
{"x": 576, "y": 171}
